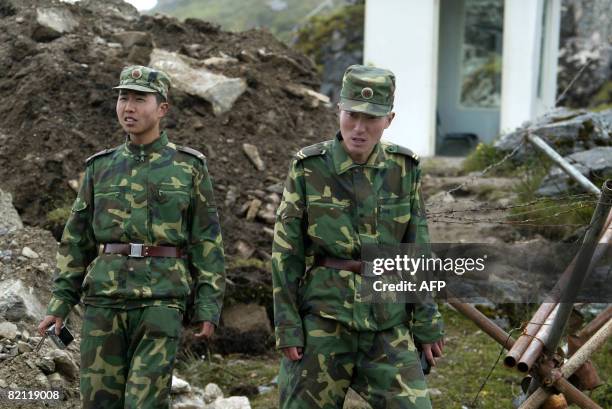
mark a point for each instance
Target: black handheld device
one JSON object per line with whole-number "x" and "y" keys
{"x": 63, "y": 339}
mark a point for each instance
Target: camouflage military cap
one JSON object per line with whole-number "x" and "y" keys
{"x": 367, "y": 89}
{"x": 144, "y": 79}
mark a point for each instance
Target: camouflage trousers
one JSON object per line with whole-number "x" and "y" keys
{"x": 127, "y": 357}
{"x": 383, "y": 367}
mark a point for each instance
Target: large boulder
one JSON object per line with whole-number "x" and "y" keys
{"x": 9, "y": 218}
{"x": 595, "y": 164}
{"x": 53, "y": 22}
{"x": 565, "y": 130}
{"x": 18, "y": 302}
{"x": 219, "y": 90}
{"x": 246, "y": 318}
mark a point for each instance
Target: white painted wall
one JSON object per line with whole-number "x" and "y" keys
{"x": 552, "y": 30}
{"x": 402, "y": 35}
{"x": 520, "y": 62}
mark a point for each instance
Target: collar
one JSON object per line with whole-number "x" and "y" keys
{"x": 147, "y": 149}
{"x": 343, "y": 162}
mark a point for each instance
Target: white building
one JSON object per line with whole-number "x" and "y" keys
{"x": 466, "y": 70}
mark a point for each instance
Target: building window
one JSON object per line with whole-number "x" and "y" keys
{"x": 481, "y": 65}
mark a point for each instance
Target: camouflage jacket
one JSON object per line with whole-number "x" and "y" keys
{"x": 156, "y": 194}
{"x": 332, "y": 206}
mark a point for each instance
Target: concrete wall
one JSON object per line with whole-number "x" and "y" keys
{"x": 402, "y": 35}
{"x": 522, "y": 57}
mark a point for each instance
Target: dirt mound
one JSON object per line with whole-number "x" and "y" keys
{"x": 59, "y": 105}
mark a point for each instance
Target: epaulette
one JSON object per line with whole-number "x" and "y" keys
{"x": 192, "y": 152}
{"x": 312, "y": 150}
{"x": 101, "y": 153}
{"x": 403, "y": 151}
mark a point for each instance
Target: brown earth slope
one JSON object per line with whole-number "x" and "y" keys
{"x": 58, "y": 105}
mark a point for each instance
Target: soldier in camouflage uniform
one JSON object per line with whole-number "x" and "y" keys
{"x": 340, "y": 195}
{"x": 142, "y": 234}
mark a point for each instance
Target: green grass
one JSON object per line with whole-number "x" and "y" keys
{"x": 235, "y": 371}
{"x": 486, "y": 155}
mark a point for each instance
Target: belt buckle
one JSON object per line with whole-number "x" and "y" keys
{"x": 136, "y": 250}
{"x": 367, "y": 269}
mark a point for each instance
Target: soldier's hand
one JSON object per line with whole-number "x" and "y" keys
{"x": 293, "y": 353}
{"x": 207, "y": 331}
{"x": 47, "y": 322}
{"x": 433, "y": 351}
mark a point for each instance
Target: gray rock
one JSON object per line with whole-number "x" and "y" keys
{"x": 3, "y": 384}
{"x": 263, "y": 389}
{"x": 188, "y": 402}
{"x": 231, "y": 196}
{"x": 23, "y": 347}
{"x": 42, "y": 380}
{"x": 212, "y": 392}
{"x": 220, "y": 61}
{"x": 29, "y": 253}
{"x": 267, "y": 213}
{"x": 129, "y": 39}
{"x": 244, "y": 249}
{"x": 8, "y": 330}
{"x": 18, "y": 302}
{"x": 179, "y": 386}
{"x": 593, "y": 163}
{"x": 219, "y": 90}
{"x": 246, "y": 318}
{"x": 9, "y": 218}
{"x": 253, "y": 208}
{"x": 52, "y": 23}
{"x": 112, "y": 8}
{"x": 252, "y": 153}
{"x": 46, "y": 365}
{"x": 56, "y": 380}
{"x": 235, "y": 402}
{"x": 276, "y": 188}
{"x": 64, "y": 363}
{"x": 565, "y": 130}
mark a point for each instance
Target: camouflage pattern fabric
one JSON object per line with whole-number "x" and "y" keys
{"x": 383, "y": 367}
{"x": 367, "y": 89}
{"x": 127, "y": 357}
{"x": 332, "y": 206}
{"x": 144, "y": 79}
{"x": 156, "y": 194}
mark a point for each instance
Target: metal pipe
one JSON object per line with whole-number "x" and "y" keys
{"x": 596, "y": 324}
{"x": 563, "y": 163}
{"x": 522, "y": 343}
{"x": 583, "y": 262}
{"x": 504, "y": 339}
{"x": 533, "y": 351}
{"x": 577, "y": 397}
{"x": 483, "y": 322}
{"x": 583, "y": 354}
{"x": 531, "y": 330}
{"x": 562, "y": 384}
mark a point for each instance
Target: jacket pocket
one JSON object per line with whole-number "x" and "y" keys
{"x": 392, "y": 219}
{"x": 169, "y": 215}
{"x": 330, "y": 227}
{"x": 111, "y": 212}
